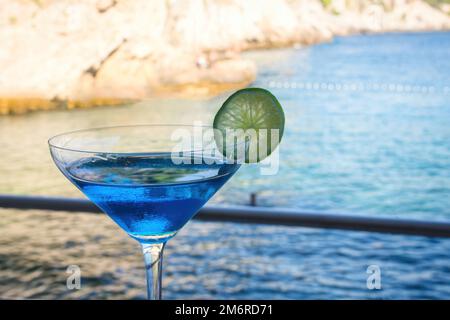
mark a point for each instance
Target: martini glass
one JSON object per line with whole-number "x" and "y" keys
{"x": 151, "y": 180}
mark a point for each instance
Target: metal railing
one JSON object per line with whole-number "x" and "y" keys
{"x": 255, "y": 215}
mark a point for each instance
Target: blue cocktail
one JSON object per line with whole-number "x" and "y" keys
{"x": 152, "y": 179}
{"x": 148, "y": 182}
{"x": 150, "y": 197}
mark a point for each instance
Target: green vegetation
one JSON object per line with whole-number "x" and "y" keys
{"x": 436, "y": 3}
{"x": 326, "y": 3}
{"x": 39, "y": 3}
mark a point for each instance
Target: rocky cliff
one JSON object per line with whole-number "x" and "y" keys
{"x": 76, "y": 53}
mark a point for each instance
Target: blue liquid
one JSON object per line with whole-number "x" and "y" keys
{"x": 151, "y": 198}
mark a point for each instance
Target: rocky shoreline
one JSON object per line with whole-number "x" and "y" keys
{"x": 83, "y": 53}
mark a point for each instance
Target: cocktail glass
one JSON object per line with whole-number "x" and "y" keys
{"x": 151, "y": 179}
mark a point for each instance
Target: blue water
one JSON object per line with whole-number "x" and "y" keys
{"x": 367, "y": 127}
{"x": 150, "y": 197}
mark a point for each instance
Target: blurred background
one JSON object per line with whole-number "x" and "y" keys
{"x": 365, "y": 87}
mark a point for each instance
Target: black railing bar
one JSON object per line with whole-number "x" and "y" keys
{"x": 255, "y": 215}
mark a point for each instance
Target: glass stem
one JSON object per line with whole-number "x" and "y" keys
{"x": 153, "y": 257}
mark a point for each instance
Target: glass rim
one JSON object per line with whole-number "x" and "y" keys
{"x": 96, "y": 129}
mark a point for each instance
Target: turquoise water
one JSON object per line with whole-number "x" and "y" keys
{"x": 149, "y": 196}
{"x": 368, "y": 126}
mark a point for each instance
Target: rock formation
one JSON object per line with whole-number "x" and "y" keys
{"x": 75, "y": 53}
